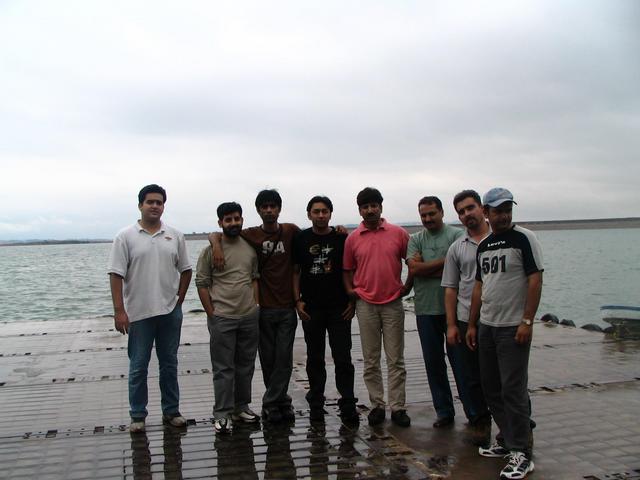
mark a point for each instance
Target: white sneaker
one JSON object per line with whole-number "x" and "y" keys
{"x": 137, "y": 425}
{"x": 246, "y": 416}
{"x": 518, "y": 467}
{"x": 175, "y": 420}
{"x": 222, "y": 425}
{"x": 495, "y": 451}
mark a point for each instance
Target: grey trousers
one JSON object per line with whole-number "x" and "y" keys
{"x": 233, "y": 345}
{"x": 504, "y": 371}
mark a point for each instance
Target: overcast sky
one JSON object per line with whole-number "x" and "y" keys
{"x": 217, "y": 100}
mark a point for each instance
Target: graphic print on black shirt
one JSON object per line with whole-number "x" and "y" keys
{"x": 320, "y": 260}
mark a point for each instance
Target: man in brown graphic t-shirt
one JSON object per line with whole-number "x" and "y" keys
{"x": 273, "y": 243}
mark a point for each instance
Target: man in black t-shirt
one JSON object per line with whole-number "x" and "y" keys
{"x": 323, "y": 306}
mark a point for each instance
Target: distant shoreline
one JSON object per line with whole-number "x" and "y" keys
{"x": 585, "y": 224}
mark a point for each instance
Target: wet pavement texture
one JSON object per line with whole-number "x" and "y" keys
{"x": 63, "y": 391}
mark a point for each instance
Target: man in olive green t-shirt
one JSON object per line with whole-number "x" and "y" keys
{"x": 426, "y": 254}
{"x": 230, "y": 299}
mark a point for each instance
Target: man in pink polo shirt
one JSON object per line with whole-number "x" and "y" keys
{"x": 372, "y": 264}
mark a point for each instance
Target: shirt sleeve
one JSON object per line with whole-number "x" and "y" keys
{"x": 184, "y": 263}
{"x": 405, "y": 243}
{"x": 203, "y": 269}
{"x": 119, "y": 256}
{"x": 348, "y": 260}
{"x": 532, "y": 255}
{"x": 451, "y": 272}
{"x": 412, "y": 246}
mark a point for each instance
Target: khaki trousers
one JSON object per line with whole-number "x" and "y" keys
{"x": 378, "y": 324}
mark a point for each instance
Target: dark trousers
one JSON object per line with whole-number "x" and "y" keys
{"x": 433, "y": 334}
{"x": 315, "y": 331}
{"x": 275, "y": 348}
{"x": 504, "y": 367}
{"x": 471, "y": 371}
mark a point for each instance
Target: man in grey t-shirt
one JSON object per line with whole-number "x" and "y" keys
{"x": 230, "y": 299}
{"x": 458, "y": 278}
{"x": 505, "y": 298}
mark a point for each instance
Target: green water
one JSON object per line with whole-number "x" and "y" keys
{"x": 584, "y": 269}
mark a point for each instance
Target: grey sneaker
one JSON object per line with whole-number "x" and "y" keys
{"x": 137, "y": 425}
{"x": 175, "y": 420}
{"x": 222, "y": 425}
{"x": 518, "y": 466}
{"x": 246, "y": 416}
{"x": 494, "y": 451}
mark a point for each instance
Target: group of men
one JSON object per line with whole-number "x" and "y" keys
{"x": 476, "y": 294}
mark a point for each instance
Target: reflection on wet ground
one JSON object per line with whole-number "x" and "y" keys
{"x": 63, "y": 388}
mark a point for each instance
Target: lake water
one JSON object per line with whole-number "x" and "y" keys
{"x": 584, "y": 269}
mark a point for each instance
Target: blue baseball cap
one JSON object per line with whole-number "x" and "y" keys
{"x": 497, "y": 196}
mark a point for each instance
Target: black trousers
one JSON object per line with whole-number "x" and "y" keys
{"x": 315, "y": 332}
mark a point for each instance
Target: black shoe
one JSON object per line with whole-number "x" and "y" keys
{"x": 443, "y": 422}
{"x": 376, "y": 416}
{"x": 271, "y": 415}
{"x": 287, "y": 413}
{"x": 481, "y": 420}
{"x": 350, "y": 415}
{"x": 400, "y": 418}
{"x": 316, "y": 414}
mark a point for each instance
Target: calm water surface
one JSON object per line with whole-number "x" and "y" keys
{"x": 584, "y": 269}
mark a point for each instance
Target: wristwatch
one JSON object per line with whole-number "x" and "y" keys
{"x": 527, "y": 322}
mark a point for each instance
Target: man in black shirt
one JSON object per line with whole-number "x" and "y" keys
{"x": 323, "y": 306}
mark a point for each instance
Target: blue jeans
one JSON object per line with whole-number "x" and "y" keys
{"x": 433, "y": 338}
{"x": 275, "y": 348}
{"x": 164, "y": 330}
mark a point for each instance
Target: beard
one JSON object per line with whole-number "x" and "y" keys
{"x": 232, "y": 231}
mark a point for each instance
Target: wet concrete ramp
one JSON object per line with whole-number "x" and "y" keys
{"x": 63, "y": 391}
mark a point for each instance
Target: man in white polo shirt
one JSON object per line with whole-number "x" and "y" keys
{"x": 149, "y": 273}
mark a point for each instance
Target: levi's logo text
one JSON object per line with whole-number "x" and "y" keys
{"x": 495, "y": 244}
{"x": 493, "y": 264}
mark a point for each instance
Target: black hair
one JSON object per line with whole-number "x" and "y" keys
{"x": 228, "y": 207}
{"x": 153, "y": 188}
{"x": 466, "y": 194}
{"x": 320, "y": 199}
{"x": 369, "y": 195}
{"x": 430, "y": 200}
{"x": 268, "y": 196}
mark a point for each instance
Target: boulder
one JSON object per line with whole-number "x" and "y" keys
{"x": 568, "y": 323}
{"x": 592, "y": 327}
{"x": 549, "y": 318}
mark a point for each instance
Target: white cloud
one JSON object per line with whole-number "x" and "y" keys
{"x": 216, "y": 100}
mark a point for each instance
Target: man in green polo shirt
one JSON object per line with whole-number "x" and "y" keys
{"x": 426, "y": 256}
